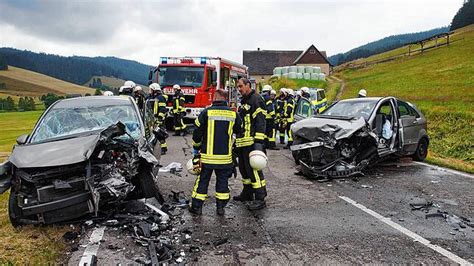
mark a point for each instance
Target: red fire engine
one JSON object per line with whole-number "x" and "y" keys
{"x": 198, "y": 78}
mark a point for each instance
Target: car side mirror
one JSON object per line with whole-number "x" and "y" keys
{"x": 150, "y": 75}
{"x": 22, "y": 139}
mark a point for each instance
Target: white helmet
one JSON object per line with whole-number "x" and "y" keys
{"x": 176, "y": 87}
{"x": 273, "y": 92}
{"x": 362, "y": 93}
{"x": 155, "y": 87}
{"x": 305, "y": 89}
{"x": 283, "y": 90}
{"x": 137, "y": 88}
{"x": 291, "y": 92}
{"x": 191, "y": 169}
{"x": 129, "y": 84}
{"x": 267, "y": 88}
{"x": 108, "y": 93}
{"x": 258, "y": 160}
{"x": 298, "y": 93}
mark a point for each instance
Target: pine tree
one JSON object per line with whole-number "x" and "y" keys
{"x": 464, "y": 16}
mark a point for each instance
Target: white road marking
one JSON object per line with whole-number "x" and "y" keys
{"x": 92, "y": 247}
{"x": 446, "y": 169}
{"x": 408, "y": 233}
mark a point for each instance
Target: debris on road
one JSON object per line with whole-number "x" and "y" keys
{"x": 173, "y": 168}
{"x": 420, "y": 204}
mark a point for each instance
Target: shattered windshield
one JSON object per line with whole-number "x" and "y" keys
{"x": 63, "y": 122}
{"x": 184, "y": 76}
{"x": 354, "y": 109}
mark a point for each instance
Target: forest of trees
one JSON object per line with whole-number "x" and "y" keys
{"x": 3, "y": 63}
{"x": 76, "y": 69}
{"x": 464, "y": 16}
{"x": 24, "y": 104}
{"x": 383, "y": 45}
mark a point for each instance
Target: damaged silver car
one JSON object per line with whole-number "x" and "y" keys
{"x": 82, "y": 155}
{"x": 355, "y": 133}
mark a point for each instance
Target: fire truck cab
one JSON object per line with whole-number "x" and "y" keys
{"x": 198, "y": 77}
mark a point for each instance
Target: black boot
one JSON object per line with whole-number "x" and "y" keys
{"x": 163, "y": 151}
{"x": 177, "y": 133}
{"x": 259, "y": 202}
{"x": 185, "y": 132}
{"x": 288, "y": 146}
{"x": 246, "y": 194}
{"x": 196, "y": 207}
{"x": 220, "y": 204}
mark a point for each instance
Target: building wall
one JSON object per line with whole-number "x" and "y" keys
{"x": 324, "y": 67}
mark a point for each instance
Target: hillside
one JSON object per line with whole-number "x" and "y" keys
{"x": 76, "y": 69}
{"x": 383, "y": 45}
{"x": 440, "y": 82}
{"x": 21, "y": 82}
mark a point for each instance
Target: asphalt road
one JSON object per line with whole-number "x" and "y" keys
{"x": 363, "y": 220}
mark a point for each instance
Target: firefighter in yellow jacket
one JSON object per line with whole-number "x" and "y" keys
{"x": 212, "y": 143}
{"x": 178, "y": 111}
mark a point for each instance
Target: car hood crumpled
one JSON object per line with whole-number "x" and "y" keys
{"x": 55, "y": 153}
{"x": 316, "y": 128}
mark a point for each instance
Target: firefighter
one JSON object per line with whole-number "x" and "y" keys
{"x": 270, "y": 118}
{"x": 139, "y": 97}
{"x": 159, "y": 111}
{"x": 212, "y": 143}
{"x": 289, "y": 116}
{"x": 127, "y": 88}
{"x": 281, "y": 112}
{"x": 178, "y": 111}
{"x": 252, "y": 112}
{"x": 362, "y": 93}
{"x": 305, "y": 93}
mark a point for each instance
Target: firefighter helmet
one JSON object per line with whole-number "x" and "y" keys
{"x": 176, "y": 87}
{"x": 129, "y": 84}
{"x": 362, "y": 93}
{"x": 305, "y": 90}
{"x": 266, "y": 88}
{"x": 155, "y": 87}
{"x": 137, "y": 88}
{"x": 258, "y": 160}
{"x": 108, "y": 93}
{"x": 192, "y": 169}
{"x": 273, "y": 92}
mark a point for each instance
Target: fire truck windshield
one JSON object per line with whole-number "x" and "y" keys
{"x": 184, "y": 76}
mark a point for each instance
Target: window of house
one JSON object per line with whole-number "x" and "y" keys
{"x": 312, "y": 51}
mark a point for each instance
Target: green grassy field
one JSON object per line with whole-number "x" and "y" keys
{"x": 441, "y": 83}
{"x": 26, "y": 245}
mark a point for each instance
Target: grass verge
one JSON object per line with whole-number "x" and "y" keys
{"x": 28, "y": 244}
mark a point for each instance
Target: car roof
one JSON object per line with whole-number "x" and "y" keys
{"x": 316, "y": 89}
{"x": 93, "y": 101}
{"x": 363, "y": 99}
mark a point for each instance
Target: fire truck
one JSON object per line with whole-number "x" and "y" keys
{"x": 198, "y": 77}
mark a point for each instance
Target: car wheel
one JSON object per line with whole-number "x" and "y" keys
{"x": 421, "y": 151}
{"x": 14, "y": 211}
{"x": 296, "y": 153}
{"x": 149, "y": 185}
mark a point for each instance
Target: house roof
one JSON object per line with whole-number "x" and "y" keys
{"x": 262, "y": 62}
{"x": 312, "y": 55}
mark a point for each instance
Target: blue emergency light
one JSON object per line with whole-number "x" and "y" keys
{"x": 164, "y": 60}
{"x": 203, "y": 60}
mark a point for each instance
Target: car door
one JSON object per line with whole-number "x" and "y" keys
{"x": 304, "y": 109}
{"x": 410, "y": 126}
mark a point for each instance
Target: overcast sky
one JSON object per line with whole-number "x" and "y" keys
{"x": 146, "y": 30}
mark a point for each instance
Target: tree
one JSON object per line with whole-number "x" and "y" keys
{"x": 464, "y": 16}
{"x": 9, "y": 104}
{"x": 21, "y": 104}
{"x": 50, "y": 98}
{"x": 87, "y": 94}
{"x": 3, "y": 63}
{"x": 98, "y": 91}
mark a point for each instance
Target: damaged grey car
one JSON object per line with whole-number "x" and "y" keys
{"x": 82, "y": 155}
{"x": 356, "y": 133}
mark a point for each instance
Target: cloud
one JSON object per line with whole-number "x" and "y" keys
{"x": 146, "y": 30}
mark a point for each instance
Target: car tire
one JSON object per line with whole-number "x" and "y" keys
{"x": 14, "y": 211}
{"x": 296, "y": 141}
{"x": 421, "y": 150}
{"x": 149, "y": 185}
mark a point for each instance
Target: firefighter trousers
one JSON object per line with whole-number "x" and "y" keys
{"x": 251, "y": 178}
{"x": 178, "y": 122}
{"x": 282, "y": 129}
{"x": 270, "y": 132}
{"x": 201, "y": 185}
{"x": 289, "y": 133}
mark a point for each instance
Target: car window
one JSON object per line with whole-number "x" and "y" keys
{"x": 304, "y": 108}
{"x": 62, "y": 122}
{"x": 359, "y": 108}
{"x": 403, "y": 108}
{"x": 413, "y": 112}
{"x": 323, "y": 95}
